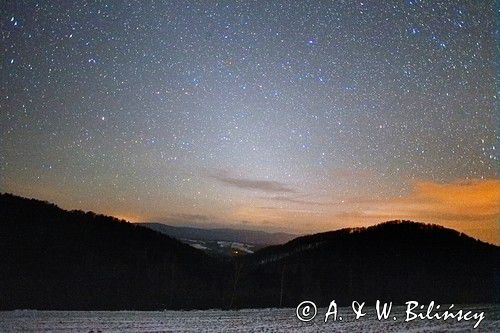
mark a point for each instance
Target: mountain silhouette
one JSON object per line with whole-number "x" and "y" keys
{"x": 395, "y": 261}
{"x": 55, "y": 259}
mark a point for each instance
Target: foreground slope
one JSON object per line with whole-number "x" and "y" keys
{"x": 55, "y": 259}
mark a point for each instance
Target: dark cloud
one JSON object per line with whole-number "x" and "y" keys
{"x": 253, "y": 184}
{"x": 297, "y": 201}
{"x": 268, "y": 207}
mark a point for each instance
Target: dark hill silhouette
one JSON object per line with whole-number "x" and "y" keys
{"x": 56, "y": 259}
{"x": 395, "y": 261}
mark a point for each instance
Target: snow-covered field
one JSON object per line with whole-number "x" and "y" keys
{"x": 263, "y": 320}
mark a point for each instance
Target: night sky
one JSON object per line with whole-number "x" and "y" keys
{"x": 297, "y": 116}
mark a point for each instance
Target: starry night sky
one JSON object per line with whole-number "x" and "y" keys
{"x": 298, "y": 116}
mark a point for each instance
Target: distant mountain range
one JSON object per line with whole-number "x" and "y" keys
{"x": 222, "y": 241}
{"x": 67, "y": 260}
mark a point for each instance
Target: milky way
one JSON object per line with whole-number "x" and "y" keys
{"x": 297, "y": 116}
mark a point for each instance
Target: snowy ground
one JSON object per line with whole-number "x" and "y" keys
{"x": 264, "y": 320}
